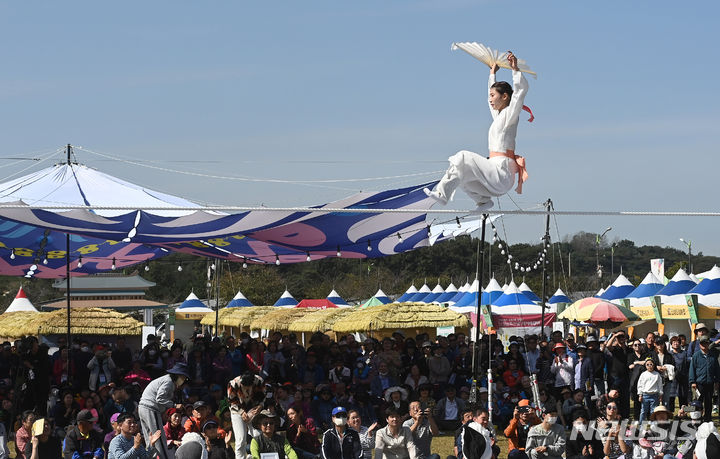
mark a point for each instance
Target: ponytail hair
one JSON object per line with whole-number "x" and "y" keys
{"x": 503, "y": 87}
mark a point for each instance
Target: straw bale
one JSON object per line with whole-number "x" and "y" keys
{"x": 401, "y": 316}
{"x": 89, "y": 321}
{"x": 237, "y": 317}
{"x": 279, "y": 319}
{"x": 321, "y": 320}
{"x": 20, "y": 323}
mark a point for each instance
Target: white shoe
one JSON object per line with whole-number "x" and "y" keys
{"x": 435, "y": 195}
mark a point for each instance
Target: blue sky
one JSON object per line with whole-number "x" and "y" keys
{"x": 626, "y": 103}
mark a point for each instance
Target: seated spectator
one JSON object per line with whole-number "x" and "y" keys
{"x": 546, "y": 439}
{"x": 341, "y": 442}
{"x": 396, "y": 397}
{"x": 575, "y": 402}
{"x": 302, "y": 434}
{"x": 322, "y": 407}
{"x": 475, "y": 438}
{"x": 466, "y": 417}
{"x": 129, "y": 439}
{"x": 513, "y": 375}
{"x": 174, "y": 429}
{"x": 217, "y": 446}
{"x": 269, "y": 441}
{"x": 65, "y": 413}
{"x": 394, "y": 441}
{"x": 367, "y": 434}
{"x": 517, "y": 430}
{"x": 114, "y": 430}
{"x": 415, "y": 379}
{"x": 448, "y": 409}
{"x": 137, "y": 375}
{"x": 44, "y": 446}
{"x": 382, "y": 381}
{"x": 423, "y": 427}
{"x": 584, "y": 441}
{"x": 83, "y": 439}
{"x": 23, "y": 436}
{"x": 425, "y": 397}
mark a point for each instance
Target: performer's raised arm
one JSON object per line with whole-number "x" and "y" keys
{"x": 491, "y": 81}
{"x": 520, "y": 88}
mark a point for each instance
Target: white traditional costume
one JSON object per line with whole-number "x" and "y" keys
{"x": 483, "y": 178}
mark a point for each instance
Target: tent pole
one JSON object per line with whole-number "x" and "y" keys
{"x": 67, "y": 297}
{"x": 474, "y": 395}
{"x": 217, "y": 294}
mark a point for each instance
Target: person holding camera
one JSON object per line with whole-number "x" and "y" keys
{"x": 423, "y": 427}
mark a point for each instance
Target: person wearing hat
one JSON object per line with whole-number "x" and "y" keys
{"x": 218, "y": 448}
{"x": 597, "y": 357}
{"x": 584, "y": 378}
{"x": 114, "y": 430}
{"x": 618, "y": 371}
{"x": 704, "y": 375}
{"x": 193, "y": 447}
{"x": 156, "y": 399}
{"x": 476, "y": 441}
{"x": 562, "y": 367}
{"x": 339, "y": 441}
{"x": 174, "y": 429}
{"x": 129, "y": 443}
{"x": 694, "y": 346}
{"x": 397, "y": 396}
{"x": 200, "y": 415}
{"x": 83, "y": 439}
{"x": 269, "y": 441}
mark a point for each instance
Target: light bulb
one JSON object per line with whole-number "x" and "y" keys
{"x": 457, "y": 220}
{"x": 339, "y": 253}
{"x": 244, "y": 265}
{"x": 308, "y": 257}
{"x": 12, "y": 254}
{"x": 502, "y": 252}
{"x": 500, "y": 246}
{"x": 369, "y": 248}
{"x": 45, "y": 261}
{"x": 509, "y": 257}
{"x": 33, "y": 268}
{"x": 79, "y": 265}
{"x": 179, "y": 268}
{"x": 508, "y": 262}
{"x": 277, "y": 260}
{"x": 113, "y": 264}
{"x": 147, "y": 267}
{"x": 400, "y": 239}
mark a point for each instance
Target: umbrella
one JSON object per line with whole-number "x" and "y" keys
{"x": 600, "y": 313}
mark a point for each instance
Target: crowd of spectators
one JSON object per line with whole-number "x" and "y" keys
{"x": 242, "y": 397}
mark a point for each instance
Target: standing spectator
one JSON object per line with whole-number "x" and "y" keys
{"x": 221, "y": 367}
{"x": 665, "y": 365}
{"x": 82, "y": 440}
{"x": 122, "y": 356}
{"x": 649, "y": 389}
{"x": 367, "y": 434}
{"x": 101, "y": 368}
{"x": 618, "y": 372}
{"x": 340, "y": 442}
{"x": 694, "y": 347}
{"x": 23, "y": 434}
{"x": 704, "y": 374}
{"x": 439, "y": 367}
{"x": 563, "y": 367}
{"x": 546, "y": 439}
{"x": 423, "y": 427}
{"x": 394, "y": 441}
{"x": 129, "y": 443}
{"x": 682, "y": 367}
{"x": 636, "y": 364}
{"x": 448, "y": 409}
{"x": 584, "y": 374}
{"x": 597, "y": 357}
{"x": 531, "y": 354}
{"x": 517, "y": 430}
{"x": 156, "y": 399}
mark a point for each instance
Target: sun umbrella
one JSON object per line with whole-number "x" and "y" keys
{"x": 600, "y": 313}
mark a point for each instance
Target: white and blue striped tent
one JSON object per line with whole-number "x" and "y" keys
{"x": 708, "y": 290}
{"x": 449, "y": 293}
{"x": 239, "y": 301}
{"x": 600, "y": 292}
{"x": 422, "y": 293}
{"x": 512, "y": 296}
{"x": 491, "y": 293}
{"x": 559, "y": 297}
{"x": 434, "y": 295}
{"x": 192, "y": 305}
{"x": 694, "y": 278}
{"x": 407, "y": 295}
{"x": 336, "y": 299}
{"x": 460, "y": 293}
{"x": 619, "y": 289}
{"x": 286, "y": 300}
{"x": 675, "y": 290}
{"x": 648, "y": 288}
{"x": 525, "y": 289}
{"x": 469, "y": 300}
{"x": 380, "y": 296}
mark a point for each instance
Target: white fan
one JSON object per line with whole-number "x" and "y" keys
{"x": 491, "y": 57}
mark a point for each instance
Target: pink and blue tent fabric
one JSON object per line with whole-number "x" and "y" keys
{"x": 422, "y": 293}
{"x": 648, "y": 288}
{"x": 434, "y": 295}
{"x": 449, "y": 293}
{"x": 525, "y": 289}
{"x": 412, "y": 290}
{"x": 708, "y": 290}
{"x": 619, "y": 289}
{"x": 33, "y": 224}
{"x": 286, "y": 300}
{"x": 559, "y": 297}
{"x": 239, "y": 301}
{"x": 336, "y": 299}
{"x": 674, "y": 292}
{"x": 492, "y": 292}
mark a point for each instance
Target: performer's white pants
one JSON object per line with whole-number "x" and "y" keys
{"x": 151, "y": 422}
{"x": 240, "y": 430}
{"x": 481, "y": 178}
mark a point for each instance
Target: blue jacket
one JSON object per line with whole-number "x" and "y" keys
{"x": 587, "y": 373}
{"x": 704, "y": 368}
{"x": 347, "y": 448}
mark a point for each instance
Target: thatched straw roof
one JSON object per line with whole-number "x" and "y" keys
{"x": 237, "y": 317}
{"x": 279, "y": 319}
{"x": 321, "y": 320}
{"x": 89, "y": 321}
{"x": 20, "y": 323}
{"x": 400, "y": 315}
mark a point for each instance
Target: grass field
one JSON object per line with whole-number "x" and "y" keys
{"x": 443, "y": 445}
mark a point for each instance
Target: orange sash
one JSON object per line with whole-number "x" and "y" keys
{"x": 521, "y": 170}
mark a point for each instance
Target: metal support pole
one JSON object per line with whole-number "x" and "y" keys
{"x": 546, "y": 244}
{"x": 67, "y": 283}
{"x": 217, "y": 295}
{"x": 476, "y": 348}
